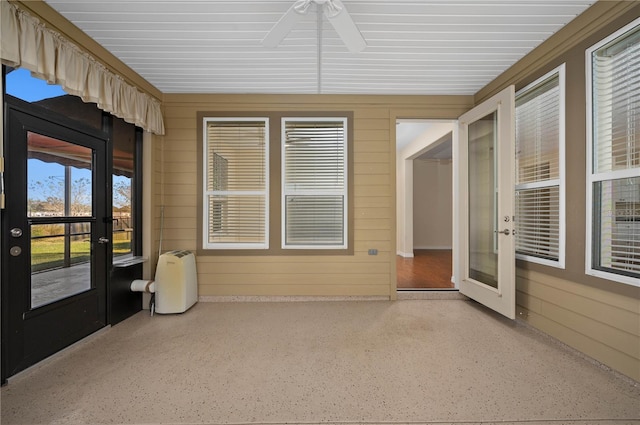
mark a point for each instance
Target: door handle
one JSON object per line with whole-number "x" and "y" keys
{"x": 504, "y": 232}
{"x": 103, "y": 240}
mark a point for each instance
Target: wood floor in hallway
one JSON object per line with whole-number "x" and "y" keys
{"x": 428, "y": 269}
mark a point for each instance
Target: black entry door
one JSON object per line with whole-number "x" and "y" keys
{"x": 55, "y": 235}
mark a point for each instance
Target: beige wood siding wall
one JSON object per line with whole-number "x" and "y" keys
{"x": 151, "y": 199}
{"x": 359, "y": 274}
{"x": 601, "y": 318}
{"x": 602, "y": 324}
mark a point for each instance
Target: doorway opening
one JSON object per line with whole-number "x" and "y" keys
{"x": 424, "y": 204}
{"x": 69, "y": 241}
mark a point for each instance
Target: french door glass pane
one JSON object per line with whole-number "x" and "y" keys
{"x": 483, "y": 257}
{"x": 60, "y": 261}
{"x": 123, "y": 177}
{"x": 59, "y": 178}
{"x": 59, "y": 184}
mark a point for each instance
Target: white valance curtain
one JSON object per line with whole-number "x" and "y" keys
{"x": 27, "y": 43}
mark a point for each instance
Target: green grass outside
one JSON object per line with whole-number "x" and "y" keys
{"x": 49, "y": 253}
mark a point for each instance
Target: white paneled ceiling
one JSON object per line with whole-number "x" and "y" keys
{"x": 413, "y": 47}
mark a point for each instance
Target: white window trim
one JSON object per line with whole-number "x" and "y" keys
{"x": 284, "y": 193}
{"x": 206, "y": 193}
{"x": 561, "y": 180}
{"x": 593, "y": 178}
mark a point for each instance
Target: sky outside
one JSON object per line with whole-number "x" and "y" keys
{"x": 20, "y": 84}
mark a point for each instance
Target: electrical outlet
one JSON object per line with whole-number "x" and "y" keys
{"x": 373, "y": 251}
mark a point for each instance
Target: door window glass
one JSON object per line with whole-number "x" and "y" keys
{"x": 59, "y": 189}
{"x": 124, "y": 144}
{"x": 483, "y": 256}
{"x": 60, "y": 261}
{"x": 59, "y": 178}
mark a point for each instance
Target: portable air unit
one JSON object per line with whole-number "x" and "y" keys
{"x": 176, "y": 282}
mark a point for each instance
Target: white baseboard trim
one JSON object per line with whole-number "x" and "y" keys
{"x": 432, "y": 247}
{"x": 283, "y": 298}
{"x": 405, "y": 254}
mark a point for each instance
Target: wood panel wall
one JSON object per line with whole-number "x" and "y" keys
{"x": 359, "y": 274}
{"x": 600, "y": 323}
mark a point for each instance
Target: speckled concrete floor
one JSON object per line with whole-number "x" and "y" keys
{"x": 435, "y": 361}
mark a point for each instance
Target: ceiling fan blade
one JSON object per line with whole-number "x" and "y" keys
{"x": 282, "y": 27}
{"x": 346, "y": 28}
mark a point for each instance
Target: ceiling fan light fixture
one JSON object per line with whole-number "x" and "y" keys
{"x": 335, "y": 12}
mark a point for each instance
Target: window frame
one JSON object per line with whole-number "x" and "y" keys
{"x": 560, "y": 182}
{"x": 275, "y": 233}
{"x": 136, "y": 192}
{"x": 206, "y": 193}
{"x": 592, "y": 176}
{"x": 344, "y": 192}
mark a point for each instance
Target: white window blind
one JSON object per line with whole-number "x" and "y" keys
{"x": 235, "y": 183}
{"x": 314, "y": 183}
{"x": 540, "y": 170}
{"x": 616, "y": 99}
{"x": 614, "y": 180}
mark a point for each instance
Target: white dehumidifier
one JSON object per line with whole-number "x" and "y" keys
{"x": 176, "y": 282}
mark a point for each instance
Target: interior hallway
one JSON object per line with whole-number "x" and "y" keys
{"x": 428, "y": 269}
{"x": 320, "y": 362}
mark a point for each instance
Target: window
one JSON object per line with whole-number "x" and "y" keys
{"x": 127, "y": 216}
{"x": 235, "y": 201}
{"x": 314, "y": 184}
{"x": 540, "y": 170}
{"x": 275, "y": 183}
{"x": 613, "y": 117}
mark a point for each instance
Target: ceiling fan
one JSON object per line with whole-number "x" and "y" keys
{"x": 335, "y": 12}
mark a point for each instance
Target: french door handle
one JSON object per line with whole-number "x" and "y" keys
{"x": 103, "y": 240}
{"x": 504, "y": 232}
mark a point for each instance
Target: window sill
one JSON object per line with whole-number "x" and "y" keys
{"x": 542, "y": 261}
{"x": 627, "y": 280}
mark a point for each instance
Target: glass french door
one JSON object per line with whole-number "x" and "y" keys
{"x": 486, "y": 250}
{"x": 55, "y": 235}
